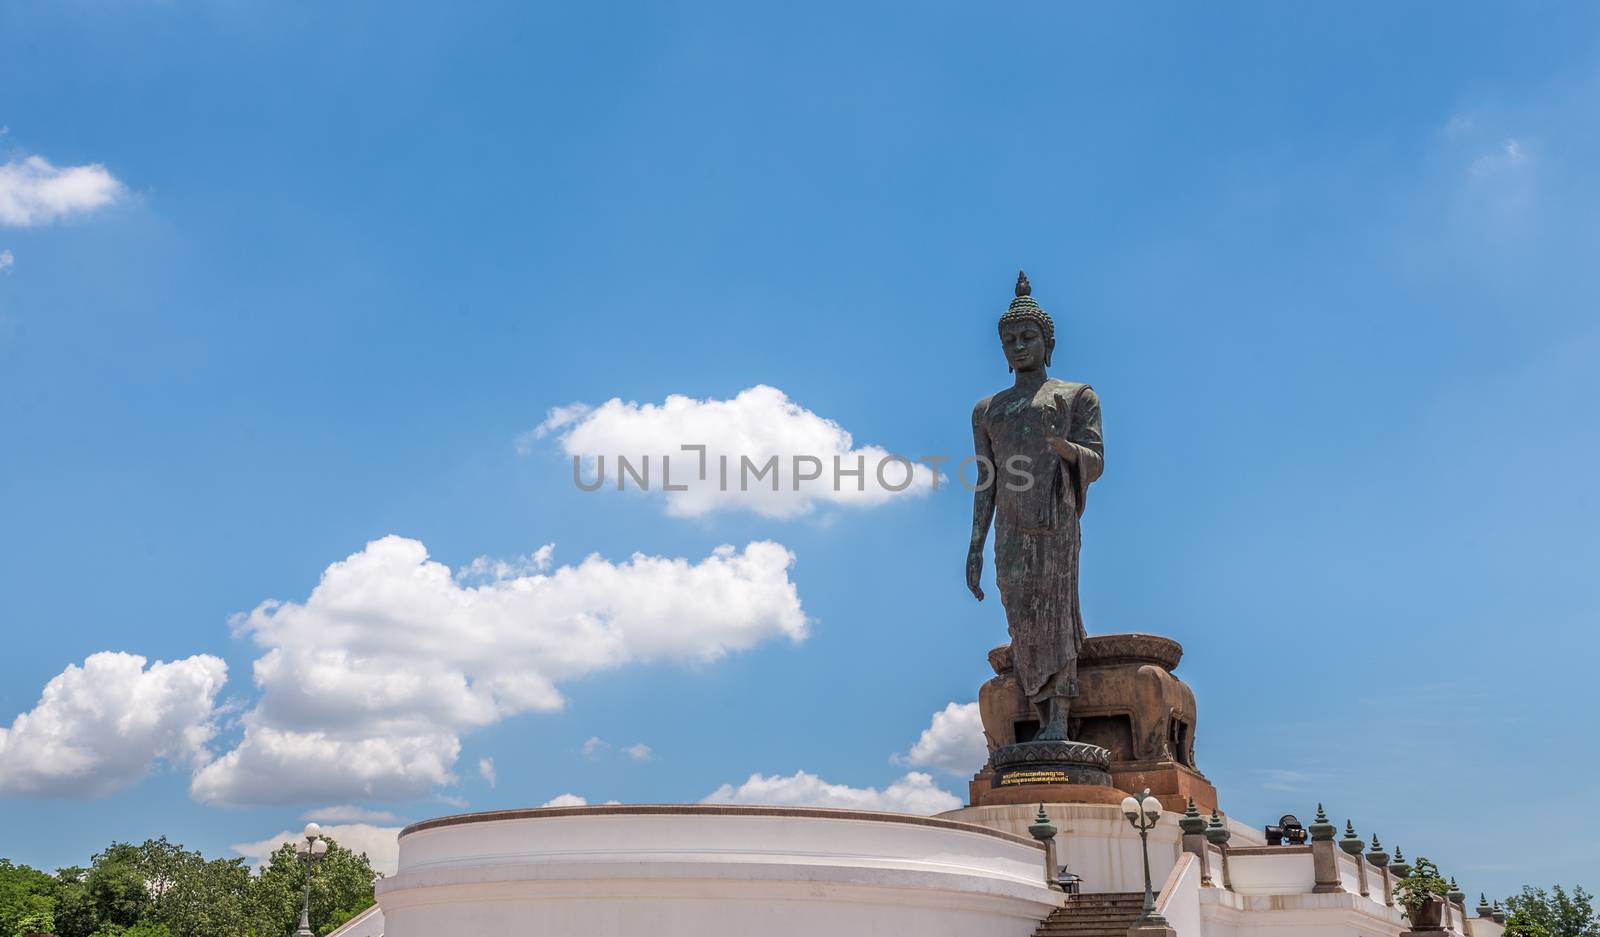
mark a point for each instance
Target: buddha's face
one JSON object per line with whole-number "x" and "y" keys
{"x": 1024, "y": 344}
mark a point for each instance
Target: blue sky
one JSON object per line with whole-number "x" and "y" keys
{"x": 1331, "y": 272}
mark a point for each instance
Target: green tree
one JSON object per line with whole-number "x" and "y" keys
{"x": 340, "y": 889}
{"x": 27, "y": 901}
{"x": 1556, "y": 912}
{"x": 1522, "y": 924}
{"x": 108, "y": 898}
{"x": 162, "y": 865}
{"x": 75, "y": 916}
{"x": 191, "y": 895}
{"x": 145, "y": 929}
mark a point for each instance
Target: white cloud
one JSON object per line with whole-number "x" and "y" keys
{"x": 33, "y": 192}
{"x": 914, "y": 793}
{"x": 595, "y": 746}
{"x": 348, "y": 813}
{"x": 1283, "y": 779}
{"x": 101, "y": 726}
{"x": 1510, "y": 155}
{"x": 639, "y": 752}
{"x": 953, "y": 742}
{"x": 7, "y": 259}
{"x": 573, "y": 800}
{"x": 368, "y": 684}
{"x": 554, "y": 420}
{"x": 486, "y": 771}
{"x": 757, "y": 425}
{"x": 380, "y": 843}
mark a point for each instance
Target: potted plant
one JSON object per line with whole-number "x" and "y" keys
{"x": 1422, "y": 894}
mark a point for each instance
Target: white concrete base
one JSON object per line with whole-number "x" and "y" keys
{"x": 1094, "y": 841}
{"x": 702, "y": 871}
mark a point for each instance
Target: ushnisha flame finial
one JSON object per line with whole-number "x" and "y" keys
{"x": 1024, "y": 306}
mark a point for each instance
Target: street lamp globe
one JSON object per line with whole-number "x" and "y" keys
{"x": 1142, "y": 813}
{"x": 309, "y": 848}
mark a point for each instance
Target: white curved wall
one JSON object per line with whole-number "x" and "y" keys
{"x": 1093, "y": 841}
{"x": 706, "y": 871}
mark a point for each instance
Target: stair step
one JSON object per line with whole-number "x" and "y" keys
{"x": 1096, "y": 914}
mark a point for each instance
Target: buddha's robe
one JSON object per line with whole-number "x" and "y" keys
{"x": 1036, "y": 530}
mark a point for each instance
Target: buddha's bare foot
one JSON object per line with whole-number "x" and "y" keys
{"x": 1054, "y": 728}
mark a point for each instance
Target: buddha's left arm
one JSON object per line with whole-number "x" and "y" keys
{"x": 1085, "y": 435}
{"x": 1082, "y": 447}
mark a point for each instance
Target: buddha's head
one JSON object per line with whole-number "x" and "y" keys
{"x": 1027, "y": 336}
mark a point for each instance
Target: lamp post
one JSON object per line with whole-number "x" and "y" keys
{"x": 1142, "y": 813}
{"x": 311, "y": 848}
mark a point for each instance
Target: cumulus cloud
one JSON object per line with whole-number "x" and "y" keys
{"x": 34, "y": 192}
{"x": 953, "y": 742}
{"x": 486, "y": 771}
{"x": 914, "y": 793}
{"x": 639, "y": 752}
{"x": 595, "y": 746}
{"x": 566, "y": 800}
{"x": 367, "y": 685}
{"x": 348, "y": 813}
{"x": 103, "y": 725}
{"x": 381, "y": 844}
{"x": 6, "y": 261}
{"x": 758, "y": 436}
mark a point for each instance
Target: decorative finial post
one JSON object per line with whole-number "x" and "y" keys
{"x": 1350, "y": 842}
{"x": 1193, "y": 826}
{"x": 1321, "y": 830}
{"x": 1045, "y": 832}
{"x": 1400, "y": 867}
{"x": 1023, "y": 287}
{"x": 1216, "y": 833}
{"x": 1042, "y": 829}
{"x": 1324, "y": 858}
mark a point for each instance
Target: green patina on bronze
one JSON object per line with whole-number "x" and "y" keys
{"x": 1042, "y": 436}
{"x": 1320, "y": 829}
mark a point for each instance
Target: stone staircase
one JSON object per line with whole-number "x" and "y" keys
{"x": 1109, "y": 914}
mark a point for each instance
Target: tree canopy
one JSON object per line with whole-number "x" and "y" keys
{"x": 160, "y": 889}
{"x": 1554, "y": 913}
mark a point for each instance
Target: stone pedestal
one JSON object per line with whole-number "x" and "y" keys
{"x": 1151, "y": 930}
{"x": 981, "y": 792}
{"x": 1024, "y": 772}
{"x": 1173, "y": 783}
{"x": 1130, "y": 705}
